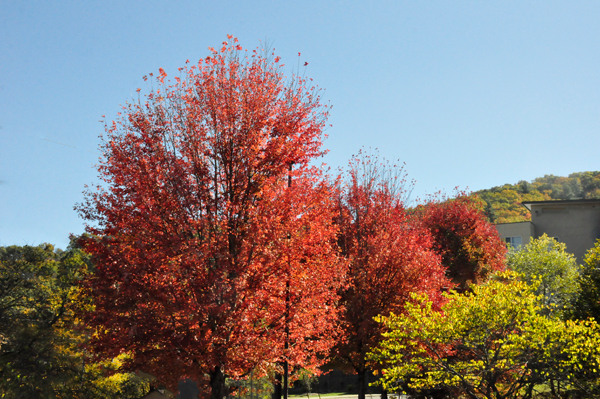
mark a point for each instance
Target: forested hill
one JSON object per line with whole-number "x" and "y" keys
{"x": 503, "y": 203}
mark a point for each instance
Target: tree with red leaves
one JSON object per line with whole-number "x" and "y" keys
{"x": 469, "y": 245}
{"x": 208, "y": 261}
{"x": 389, "y": 258}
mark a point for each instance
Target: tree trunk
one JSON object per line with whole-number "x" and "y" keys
{"x": 286, "y": 372}
{"x": 362, "y": 384}
{"x": 217, "y": 384}
{"x": 277, "y": 391}
{"x": 384, "y": 394}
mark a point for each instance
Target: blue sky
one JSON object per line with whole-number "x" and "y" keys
{"x": 469, "y": 94}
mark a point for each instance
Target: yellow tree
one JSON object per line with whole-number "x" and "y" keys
{"x": 490, "y": 343}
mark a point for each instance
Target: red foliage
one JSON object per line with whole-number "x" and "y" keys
{"x": 200, "y": 243}
{"x": 389, "y": 258}
{"x": 470, "y": 246}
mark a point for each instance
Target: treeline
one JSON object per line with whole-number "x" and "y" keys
{"x": 503, "y": 203}
{"x": 515, "y": 334}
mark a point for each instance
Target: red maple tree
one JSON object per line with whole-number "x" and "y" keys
{"x": 208, "y": 261}
{"x": 469, "y": 245}
{"x": 389, "y": 258}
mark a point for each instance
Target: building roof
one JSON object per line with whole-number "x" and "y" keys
{"x": 527, "y": 204}
{"x": 524, "y": 221}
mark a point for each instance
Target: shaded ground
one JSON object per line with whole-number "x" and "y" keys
{"x": 344, "y": 396}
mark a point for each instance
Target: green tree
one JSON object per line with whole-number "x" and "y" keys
{"x": 490, "y": 212}
{"x": 590, "y": 183}
{"x": 490, "y": 343}
{"x": 587, "y": 302}
{"x": 40, "y": 337}
{"x": 547, "y": 261}
{"x": 35, "y": 291}
{"x": 524, "y": 187}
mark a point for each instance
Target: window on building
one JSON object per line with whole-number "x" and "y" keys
{"x": 514, "y": 242}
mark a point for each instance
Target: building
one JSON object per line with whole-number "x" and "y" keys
{"x": 575, "y": 223}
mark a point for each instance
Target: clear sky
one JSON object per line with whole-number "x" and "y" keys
{"x": 472, "y": 94}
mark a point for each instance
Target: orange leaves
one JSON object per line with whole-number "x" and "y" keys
{"x": 389, "y": 256}
{"x": 469, "y": 245}
{"x": 198, "y": 233}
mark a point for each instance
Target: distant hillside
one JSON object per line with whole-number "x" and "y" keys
{"x": 503, "y": 203}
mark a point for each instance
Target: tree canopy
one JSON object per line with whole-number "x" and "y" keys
{"x": 490, "y": 343}
{"x": 467, "y": 242}
{"x": 213, "y": 236}
{"x": 36, "y": 295}
{"x": 40, "y": 334}
{"x": 547, "y": 263}
{"x": 586, "y": 302}
{"x": 389, "y": 257}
